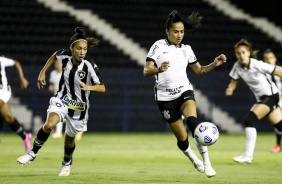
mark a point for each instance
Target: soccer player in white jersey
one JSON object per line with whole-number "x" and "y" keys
{"x": 254, "y": 74}
{"x": 269, "y": 57}
{"x": 79, "y": 78}
{"x": 167, "y": 60}
{"x": 5, "y": 95}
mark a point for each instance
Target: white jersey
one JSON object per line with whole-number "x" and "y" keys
{"x": 4, "y": 62}
{"x": 70, "y": 91}
{"x": 172, "y": 83}
{"x": 277, "y": 80}
{"x": 55, "y": 79}
{"x": 256, "y": 77}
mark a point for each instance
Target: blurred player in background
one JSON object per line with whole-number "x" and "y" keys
{"x": 269, "y": 57}
{"x": 54, "y": 80}
{"x": 254, "y": 74}
{"x": 5, "y": 95}
{"x": 80, "y": 76}
{"x": 167, "y": 60}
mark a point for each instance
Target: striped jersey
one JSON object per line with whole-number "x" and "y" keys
{"x": 70, "y": 90}
{"x": 170, "y": 84}
{"x": 256, "y": 77}
{"x": 4, "y": 62}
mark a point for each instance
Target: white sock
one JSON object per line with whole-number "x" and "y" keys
{"x": 203, "y": 150}
{"x": 251, "y": 136}
{"x": 59, "y": 127}
{"x": 190, "y": 154}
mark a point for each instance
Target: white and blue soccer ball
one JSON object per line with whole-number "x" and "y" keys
{"x": 206, "y": 133}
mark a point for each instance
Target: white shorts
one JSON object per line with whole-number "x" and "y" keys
{"x": 73, "y": 126}
{"x": 5, "y": 94}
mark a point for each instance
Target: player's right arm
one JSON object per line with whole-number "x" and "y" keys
{"x": 231, "y": 87}
{"x": 41, "y": 81}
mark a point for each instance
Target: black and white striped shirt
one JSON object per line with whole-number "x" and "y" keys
{"x": 69, "y": 88}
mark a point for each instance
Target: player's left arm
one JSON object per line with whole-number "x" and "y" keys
{"x": 24, "y": 82}
{"x": 201, "y": 70}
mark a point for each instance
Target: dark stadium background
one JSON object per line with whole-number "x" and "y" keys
{"x": 30, "y": 33}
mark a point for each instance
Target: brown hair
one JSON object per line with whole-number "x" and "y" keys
{"x": 80, "y": 35}
{"x": 190, "y": 22}
{"x": 246, "y": 43}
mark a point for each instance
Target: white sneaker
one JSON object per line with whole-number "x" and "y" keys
{"x": 65, "y": 170}
{"x": 198, "y": 164}
{"x": 209, "y": 171}
{"x": 26, "y": 158}
{"x": 243, "y": 159}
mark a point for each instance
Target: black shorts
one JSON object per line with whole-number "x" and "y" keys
{"x": 170, "y": 110}
{"x": 270, "y": 101}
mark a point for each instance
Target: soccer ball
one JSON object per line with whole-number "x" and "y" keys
{"x": 206, "y": 133}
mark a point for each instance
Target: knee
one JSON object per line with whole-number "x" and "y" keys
{"x": 69, "y": 144}
{"x": 250, "y": 119}
{"x": 9, "y": 119}
{"x": 48, "y": 127}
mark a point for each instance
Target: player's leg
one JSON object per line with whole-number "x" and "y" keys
{"x": 41, "y": 137}
{"x": 181, "y": 135}
{"x": 188, "y": 109}
{"x": 277, "y": 146}
{"x": 69, "y": 147}
{"x": 8, "y": 117}
{"x": 56, "y": 112}
{"x": 257, "y": 112}
{"x": 275, "y": 118}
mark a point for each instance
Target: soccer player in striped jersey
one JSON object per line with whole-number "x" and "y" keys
{"x": 80, "y": 77}
{"x": 254, "y": 74}
{"x": 5, "y": 95}
{"x": 269, "y": 57}
{"x": 167, "y": 60}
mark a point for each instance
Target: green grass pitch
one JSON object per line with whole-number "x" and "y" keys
{"x": 130, "y": 158}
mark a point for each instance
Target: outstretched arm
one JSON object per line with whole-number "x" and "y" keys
{"x": 231, "y": 87}
{"x": 24, "y": 82}
{"x": 201, "y": 70}
{"x": 41, "y": 81}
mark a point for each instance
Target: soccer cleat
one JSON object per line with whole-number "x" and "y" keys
{"x": 198, "y": 164}
{"x": 65, "y": 170}
{"x": 57, "y": 135}
{"x": 26, "y": 158}
{"x": 78, "y": 136}
{"x": 243, "y": 159}
{"x": 276, "y": 148}
{"x": 27, "y": 140}
{"x": 209, "y": 171}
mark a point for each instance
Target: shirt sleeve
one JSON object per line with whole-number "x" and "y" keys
{"x": 96, "y": 76}
{"x": 52, "y": 77}
{"x": 154, "y": 52}
{"x": 191, "y": 56}
{"x": 265, "y": 67}
{"x": 234, "y": 72}
{"x": 7, "y": 61}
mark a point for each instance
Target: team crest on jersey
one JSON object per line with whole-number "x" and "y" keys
{"x": 81, "y": 74}
{"x": 166, "y": 114}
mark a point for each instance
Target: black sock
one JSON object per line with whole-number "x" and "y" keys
{"x": 39, "y": 141}
{"x": 183, "y": 145}
{"x": 192, "y": 123}
{"x": 68, "y": 153}
{"x": 18, "y": 128}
